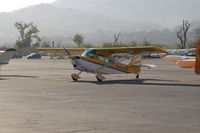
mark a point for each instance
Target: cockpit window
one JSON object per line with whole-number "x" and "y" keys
{"x": 103, "y": 58}
{"x": 90, "y": 52}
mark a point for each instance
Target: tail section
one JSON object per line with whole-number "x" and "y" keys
{"x": 6, "y": 56}
{"x": 137, "y": 61}
{"x": 197, "y": 65}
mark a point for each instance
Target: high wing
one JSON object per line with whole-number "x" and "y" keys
{"x": 72, "y": 51}
{"x": 131, "y": 50}
{"x": 110, "y": 51}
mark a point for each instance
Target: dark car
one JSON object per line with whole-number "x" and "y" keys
{"x": 43, "y": 53}
{"x": 34, "y": 56}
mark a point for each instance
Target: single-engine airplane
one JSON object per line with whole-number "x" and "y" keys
{"x": 6, "y": 55}
{"x": 102, "y": 61}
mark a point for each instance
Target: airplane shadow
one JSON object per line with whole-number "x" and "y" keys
{"x": 142, "y": 82}
{"x": 3, "y": 77}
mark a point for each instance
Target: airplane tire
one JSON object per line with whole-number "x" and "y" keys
{"x": 137, "y": 76}
{"x": 99, "y": 80}
{"x": 75, "y": 79}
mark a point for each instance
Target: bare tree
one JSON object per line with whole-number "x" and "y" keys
{"x": 116, "y": 37}
{"x": 182, "y": 34}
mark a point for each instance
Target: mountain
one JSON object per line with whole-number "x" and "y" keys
{"x": 57, "y": 21}
{"x": 167, "y": 13}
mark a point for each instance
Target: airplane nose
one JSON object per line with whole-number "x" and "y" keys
{"x": 74, "y": 63}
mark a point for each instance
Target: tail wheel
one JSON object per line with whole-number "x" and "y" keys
{"x": 137, "y": 76}
{"x": 73, "y": 78}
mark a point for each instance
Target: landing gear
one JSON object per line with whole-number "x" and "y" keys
{"x": 99, "y": 80}
{"x": 75, "y": 76}
{"x": 100, "y": 77}
{"x": 137, "y": 76}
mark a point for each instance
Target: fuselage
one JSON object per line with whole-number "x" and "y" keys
{"x": 96, "y": 67}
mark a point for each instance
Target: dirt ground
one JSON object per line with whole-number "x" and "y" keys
{"x": 38, "y": 96}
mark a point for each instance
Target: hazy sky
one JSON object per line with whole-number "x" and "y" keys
{"x": 167, "y": 13}
{"x": 10, "y": 5}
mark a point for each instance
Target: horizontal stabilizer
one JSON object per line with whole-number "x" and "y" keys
{"x": 149, "y": 66}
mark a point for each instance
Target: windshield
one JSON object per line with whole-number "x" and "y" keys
{"x": 90, "y": 52}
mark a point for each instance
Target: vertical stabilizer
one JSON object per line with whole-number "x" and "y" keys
{"x": 197, "y": 65}
{"x": 136, "y": 60}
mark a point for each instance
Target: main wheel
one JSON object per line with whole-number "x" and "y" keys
{"x": 137, "y": 76}
{"x": 99, "y": 80}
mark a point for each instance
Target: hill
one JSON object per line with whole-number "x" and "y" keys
{"x": 57, "y": 21}
{"x": 99, "y": 20}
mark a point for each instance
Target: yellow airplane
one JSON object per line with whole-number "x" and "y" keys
{"x": 102, "y": 61}
{"x": 187, "y": 61}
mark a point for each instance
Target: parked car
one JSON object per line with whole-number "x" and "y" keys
{"x": 34, "y": 56}
{"x": 157, "y": 55}
{"x": 43, "y": 53}
{"x": 191, "y": 54}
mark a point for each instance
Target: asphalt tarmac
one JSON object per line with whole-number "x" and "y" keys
{"x": 39, "y": 96}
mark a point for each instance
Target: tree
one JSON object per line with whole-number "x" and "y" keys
{"x": 133, "y": 43}
{"x": 78, "y": 39}
{"x": 45, "y": 44}
{"x": 146, "y": 43}
{"x": 182, "y": 34}
{"x": 116, "y": 37}
{"x": 28, "y": 33}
